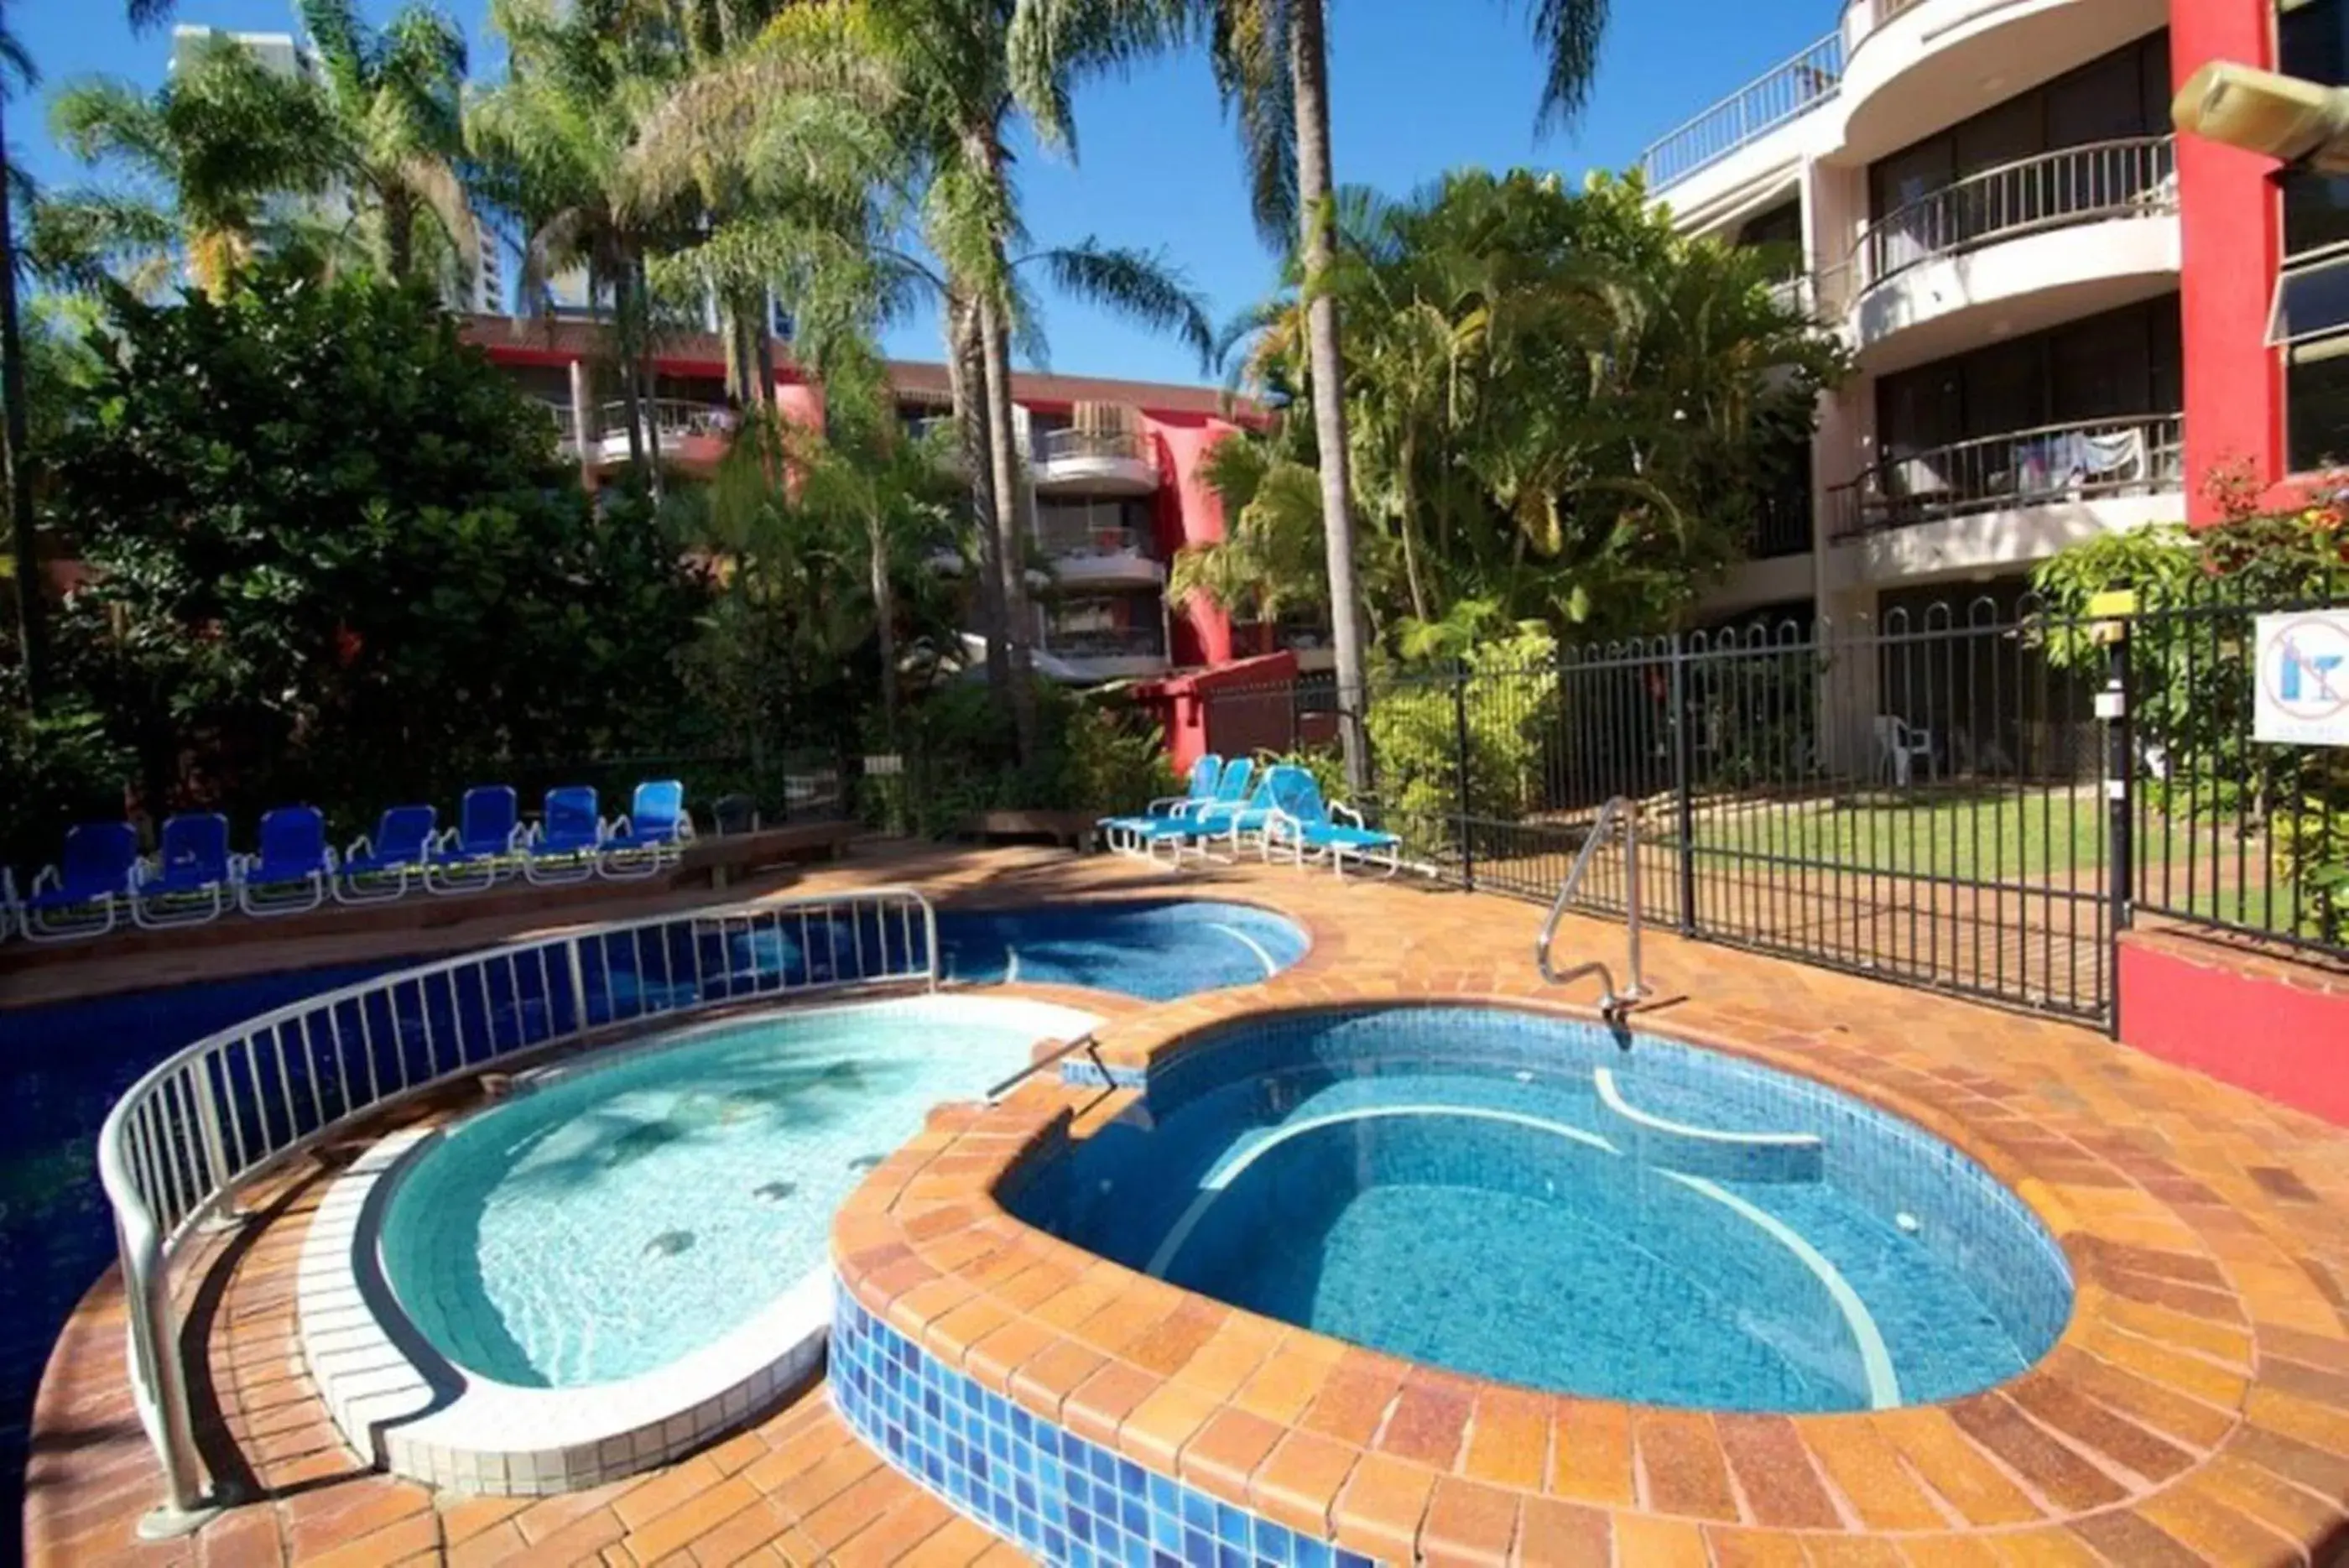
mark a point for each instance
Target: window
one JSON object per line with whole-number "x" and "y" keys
{"x": 2310, "y": 317}
{"x": 2122, "y": 363}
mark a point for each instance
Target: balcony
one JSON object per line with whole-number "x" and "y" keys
{"x": 2029, "y": 244}
{"x": 692, "y": 435}
{"x": 1914, "y": 67}
{"x": 567, "y": 429}
{"x": 1744, "y": 117}
{"x": 1102, "y": 557}
{"x": 1127, "y": 653}
{"x": 2008, "y": 499}
{"x": 1095, "y": 463}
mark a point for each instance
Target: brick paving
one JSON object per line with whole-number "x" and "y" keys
{"x": 2195, "y": 1411}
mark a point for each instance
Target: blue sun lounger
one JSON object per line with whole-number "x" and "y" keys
{"x": 293, "y": 870}
{"x": 1205, "y": 774}
{"x": 481, "y": 848}
{"x": 654, "y": 833}
{"x": 1307, "y": 823}
{"x": 378, "y": 867}
{"x": 193, "y": 875}
{"x": 94, "y": 882}
{"x": 568, "y": 839}
{"x": 1191, "y": 830}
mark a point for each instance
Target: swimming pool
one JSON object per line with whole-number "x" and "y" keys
{"x": 622, "y": 1213}
{"x": 1156, "y": 950}
{"x": 1519, "y": 1198}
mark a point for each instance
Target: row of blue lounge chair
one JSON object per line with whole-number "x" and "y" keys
{"x": 1282, "y": 809}
{"x": 100, "y": 877}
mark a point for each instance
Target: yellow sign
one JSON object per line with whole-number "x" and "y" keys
{"x": 2119, "y": 602}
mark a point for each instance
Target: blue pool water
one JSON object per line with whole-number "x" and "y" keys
{"x": 1156, "y": 951}
{"x": 1462, "y": 1187}
{"x": 611, "y": 1221}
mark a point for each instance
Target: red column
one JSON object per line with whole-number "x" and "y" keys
{"x": 2229, "y": 215}
{"x": 1190, "y": 512}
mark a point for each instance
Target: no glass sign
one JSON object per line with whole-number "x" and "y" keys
{"x": 2302, "y": 671}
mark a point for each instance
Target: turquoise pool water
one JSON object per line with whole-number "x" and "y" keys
{"x": 1522, "y": 1199}
{"x": 609, "y": 1221}
{"x": 1156, "y": 950}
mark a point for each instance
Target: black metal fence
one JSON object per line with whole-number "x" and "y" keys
{"x": 1928, "y": 798}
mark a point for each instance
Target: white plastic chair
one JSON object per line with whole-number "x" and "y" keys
{"x": 1899, "y": 743}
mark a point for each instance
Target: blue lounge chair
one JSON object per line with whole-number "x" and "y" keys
{"x": 654, "y": 833}
{"x": 1307, "y": 823}
{"x": 11, "y": 917}
{"x": 94, "y": 882}
{"x": 194, "y": 875}
{"x": 1205, "y": 774}
{"x": 294, "y": 868}
{"x": 564, "y": 845}
{"x": 483, "y": 845}
{"x": 378, "y": 867}
{"x": 1192, "y": 831}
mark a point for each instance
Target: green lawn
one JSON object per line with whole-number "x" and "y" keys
{"x": 1986, "y": 837}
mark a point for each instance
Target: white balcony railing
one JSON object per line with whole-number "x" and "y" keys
{"x": 1125, "y": 643}
{"x": 673, "y": 418}
{"x": 1081, "y": 542}
{"x": 2131, "y": 178}
{"x": 1072, "y": 446}
{"x": 1746, "y": 116}
{"x": 2046, "y": 465}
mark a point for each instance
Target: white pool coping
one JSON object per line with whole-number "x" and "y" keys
{"x": 398, "y": 1401}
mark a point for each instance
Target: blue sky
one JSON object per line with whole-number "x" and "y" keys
{"x": 1421, "y": 85}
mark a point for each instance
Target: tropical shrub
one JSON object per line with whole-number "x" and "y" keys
{"x": 1508, "y": 689}
{"x": 2190, "y": 655}
{"x": 332, "y": 556}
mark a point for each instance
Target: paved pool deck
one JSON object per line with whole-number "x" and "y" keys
{"x": 2195, "y": 1411}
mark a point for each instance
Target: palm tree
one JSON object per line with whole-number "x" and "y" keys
{"x": 1272, "y": 62}
{"x": 18, "y": 74}
{"x": 950, "y": 114}
{"x": 214, "y": 155}
{"x": 397, "y": 91}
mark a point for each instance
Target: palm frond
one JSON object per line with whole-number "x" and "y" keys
{"x": 1249, "y": 47}
{"x": 1144, "y": 287}
{"x": 1569, "y": 32}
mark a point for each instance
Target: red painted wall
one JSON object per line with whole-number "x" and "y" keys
{"x": 2288, "y": 1042}
{"x": 2229, "y": 216}
{"x": 1189, "y": 513}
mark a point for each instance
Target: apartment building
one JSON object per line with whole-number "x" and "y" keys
{"x": 2065, "y": 318}
{"x": 1113, "y": 483}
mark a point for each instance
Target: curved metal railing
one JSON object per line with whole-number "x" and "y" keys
{"x": 175, "y": 1149}
{"x": 2142, "y": 454}
{"x": 1747, "y": 115}
{"x": 671, "y": 417}
{"x": 2130, "y": 178}
{"x": 1619, "y": 814}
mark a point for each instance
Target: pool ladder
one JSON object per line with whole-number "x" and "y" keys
{"x": 1617, "y": 817}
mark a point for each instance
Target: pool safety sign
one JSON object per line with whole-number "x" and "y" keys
{"x": 2303, "y": 671}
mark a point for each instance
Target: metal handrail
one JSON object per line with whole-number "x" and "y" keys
{"x": 1618, "y": 813}
{"x": 2013, "y": 468}
{"x": 1753, "y": 111}
{"x": 2128, "y": 177}
{"x": 1085, "y": 1042}
{"x": 198, "y": 1127}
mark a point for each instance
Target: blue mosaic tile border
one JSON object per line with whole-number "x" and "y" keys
{"x": 1062, "y": 1497}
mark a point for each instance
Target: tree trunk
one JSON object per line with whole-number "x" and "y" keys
{"x": 1308, "y": 62}
{"x": 964, "y": 383}
{"x": 651, "y": 375}
{"x": 398, "y": 233}
{"x": 32, "y": 623}
{"x": 885, "y": 616}
{"x": 1018, "y": 621}
{"x": 623, "y": 321}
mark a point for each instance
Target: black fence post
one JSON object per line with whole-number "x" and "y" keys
{"x": 2120, "y": 779}
{"x": 1684, "y": 790}
{"x": 1459, "y": 737}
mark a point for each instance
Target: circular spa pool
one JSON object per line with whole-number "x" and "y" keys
{"x": 1519, "y": 1198}
{"x": 1156, "y": 950}
{"x": 618, "y": 1216}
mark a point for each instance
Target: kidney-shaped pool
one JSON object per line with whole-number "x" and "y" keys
{"x": 1520, "y": 1198}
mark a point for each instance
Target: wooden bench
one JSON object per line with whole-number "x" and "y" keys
{"x": 735, "y": 854}
{"x": 1072, "y": 828}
